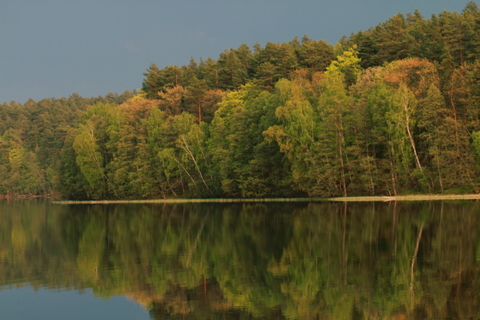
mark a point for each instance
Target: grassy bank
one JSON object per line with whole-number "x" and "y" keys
{"x": 338, "y": 199}
{"x": 414, "y": 197}
{"x": 186, "y": 201}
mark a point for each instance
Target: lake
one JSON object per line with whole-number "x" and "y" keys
{"x": 405, "y": 260}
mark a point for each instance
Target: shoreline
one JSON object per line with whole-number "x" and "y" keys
{"x": 439, "y": 197}
{"x": 413, "y": 197}
{"x": 23, "y": 197}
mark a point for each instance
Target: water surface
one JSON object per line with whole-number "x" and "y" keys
{"x": 240, "y": 261}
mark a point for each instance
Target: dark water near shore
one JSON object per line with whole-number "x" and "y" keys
{"x": 240, "y": 261}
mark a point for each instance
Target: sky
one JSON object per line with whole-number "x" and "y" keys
{"x": 54, "y": 48}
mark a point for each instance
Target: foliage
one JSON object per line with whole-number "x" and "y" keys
{"x": 389, "y": 110}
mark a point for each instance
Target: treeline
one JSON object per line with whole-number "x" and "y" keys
{"x": 393, "y": 109}
{"x": 32, "y": 136}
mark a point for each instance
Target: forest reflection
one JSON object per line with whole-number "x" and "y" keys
{"x": 254, "y": 261}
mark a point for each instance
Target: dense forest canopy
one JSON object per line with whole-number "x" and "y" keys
{"x": 389, "y": 110}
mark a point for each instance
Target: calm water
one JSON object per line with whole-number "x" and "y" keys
{"x": 240, "y": 261}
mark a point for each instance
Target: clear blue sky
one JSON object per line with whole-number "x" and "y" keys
{"x": 53, "y": 48}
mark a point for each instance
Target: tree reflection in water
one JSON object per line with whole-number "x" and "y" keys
{"x": 254, "y": 261}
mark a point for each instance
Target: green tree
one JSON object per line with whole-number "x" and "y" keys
{"x": 348, "y": 64}
{"x": 90, "y": 161}
{"x": 90, "y": 145}
{"x": 246, "y": 165}
{"x": 296, "y": 135}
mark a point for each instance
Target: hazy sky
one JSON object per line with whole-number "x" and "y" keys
{"x": 53, "y": 48}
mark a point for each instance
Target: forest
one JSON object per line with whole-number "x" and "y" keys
{"x": 394, "y": 109}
